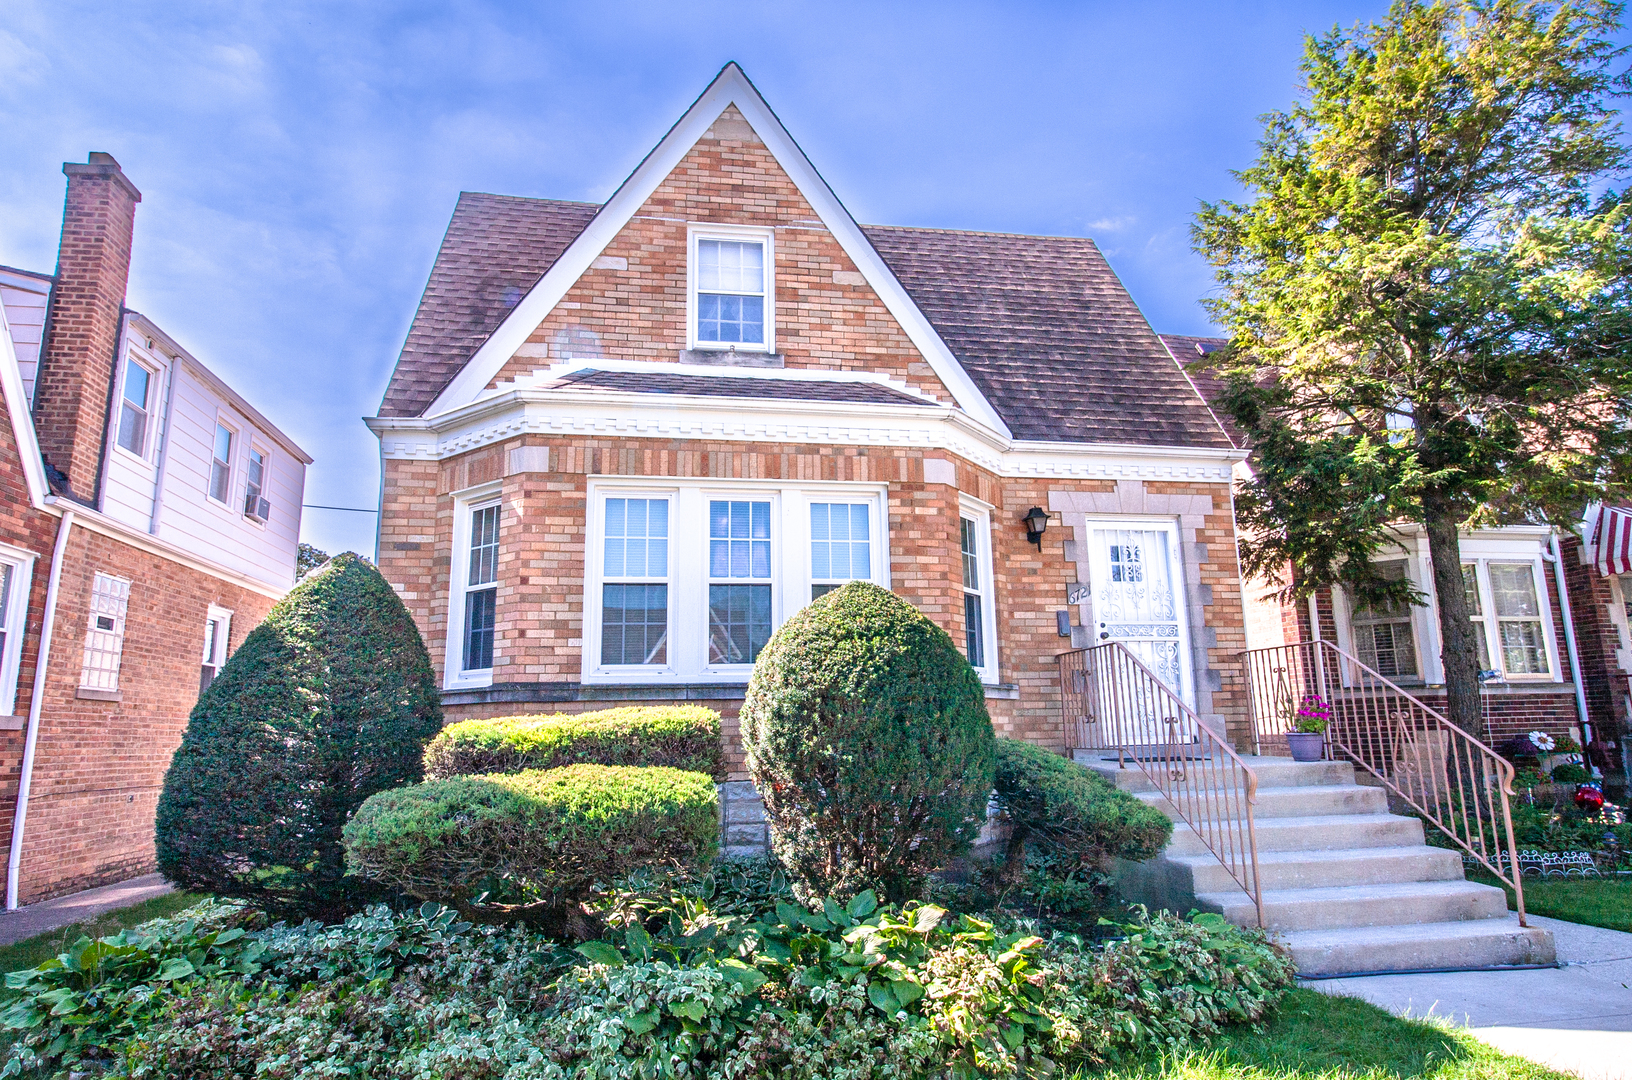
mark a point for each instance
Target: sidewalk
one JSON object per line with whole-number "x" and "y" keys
{"x": 1576, "y": 1019}
{"x": 26, "y": 922}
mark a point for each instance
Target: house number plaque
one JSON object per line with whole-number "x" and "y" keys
{"x": 1076, "y": 593}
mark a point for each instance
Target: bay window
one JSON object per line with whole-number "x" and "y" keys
{"x": 474, "y": 592}
{"x": 686, "y": 580}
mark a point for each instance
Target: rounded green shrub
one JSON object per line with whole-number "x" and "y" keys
{"x": 331, "y": 699}
{"x": 1069, "y": 812}
{"x": 866, "y": 733}
{"x": 531, "y": 846}
{"x": 676, "y": 736}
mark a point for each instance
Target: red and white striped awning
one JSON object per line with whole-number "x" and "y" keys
{"x": 1613, "y": 538}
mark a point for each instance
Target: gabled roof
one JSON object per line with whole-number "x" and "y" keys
{"x": 1186, "y": 350}
{"x": 1035, "y": 337}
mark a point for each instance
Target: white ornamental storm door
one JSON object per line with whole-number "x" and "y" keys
{"x": 1138, "y": 600}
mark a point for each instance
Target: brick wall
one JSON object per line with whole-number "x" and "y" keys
{"x": 99, "y": 765}
{"x": 631, "y": 305}
{"x": 82, "y": 325}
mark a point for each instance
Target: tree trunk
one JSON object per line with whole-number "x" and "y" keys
{"x": 1460, "y": 657}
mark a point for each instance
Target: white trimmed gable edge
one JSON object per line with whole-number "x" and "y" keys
{"x": 730, "y": 87}
{"x": 22, "y": 423}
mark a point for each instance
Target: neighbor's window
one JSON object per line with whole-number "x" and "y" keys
{"x": 1476, "y": 614}
{"x": 482, "y": 592}
{"x": 14, "y": 581}
{"x": 255, "y": 505}
{"x": 133, "y": 408}
{"x": 840, "y": 545}
{"x": 1382, "y": 635}
{"x": 635, "y": 592}
{"x": 217, "y": 628}
{"x": 105, "y": 633}
{"x": 221, "y": 464}
{"x": 739, "y": 580}
{"x": 731, "y": 293}
{"x": 974, "y": 613}
{"x": 1518, "y": 618}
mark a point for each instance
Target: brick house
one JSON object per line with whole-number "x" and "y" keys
{"x": 149, "y": 518}
{"x": 624, "y": 441}
{"x": 1529, "y": 619}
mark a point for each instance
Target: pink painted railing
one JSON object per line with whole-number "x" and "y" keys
{"x": 1112, "y": 701}
{"x": 1454, "y": 781}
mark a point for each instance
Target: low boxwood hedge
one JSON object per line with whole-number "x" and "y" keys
{"x": 676, "y": 736}
{"x": 532, "y": 846}
{"x": 1068, "y": 811}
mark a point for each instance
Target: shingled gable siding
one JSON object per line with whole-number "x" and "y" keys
{"x": 541, "y": 561}
{"x": 633, "y": 307}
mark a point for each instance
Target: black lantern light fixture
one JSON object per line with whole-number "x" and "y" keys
{"x": 1036, "y": 520}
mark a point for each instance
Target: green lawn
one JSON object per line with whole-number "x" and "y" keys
{"x": 1603, "y": 902}
{"x": 36, "y": 950}
{"x": 1317, "y": 1037}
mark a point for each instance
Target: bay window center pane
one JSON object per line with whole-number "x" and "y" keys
{"x": 739, "y": 539}
{"x": 739, "y": 622}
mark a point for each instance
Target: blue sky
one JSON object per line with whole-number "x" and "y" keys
{"x": 299, "y": 160}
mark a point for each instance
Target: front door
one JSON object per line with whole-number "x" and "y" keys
{"x": 1138, "y": 597}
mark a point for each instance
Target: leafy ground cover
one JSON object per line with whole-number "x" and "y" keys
{"x": 36, "y": 950}
{"x": 1315, "y": 1036}
{"x": 1605, "y": 902}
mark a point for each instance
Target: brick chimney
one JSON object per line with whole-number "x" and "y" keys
{"x": 75, "y": 379}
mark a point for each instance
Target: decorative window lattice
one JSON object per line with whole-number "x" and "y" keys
{"x": 105, "y": 633}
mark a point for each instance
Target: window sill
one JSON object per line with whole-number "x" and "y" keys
{"x": 546, "y": 692}
{"x": 732, "y": 358}
{"x": 89, "y": 694}
{"x": 13, "y": 723}
{"x": 1009, "y": 691}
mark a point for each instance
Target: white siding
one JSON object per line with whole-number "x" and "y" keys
{"x": 190, "y": 519}
{"x": 25, "y": 299}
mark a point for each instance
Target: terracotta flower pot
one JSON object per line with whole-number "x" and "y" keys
{"x": 1306, "y": 746}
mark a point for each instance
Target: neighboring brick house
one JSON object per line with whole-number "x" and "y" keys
{"x": 149, "y": 518}
{"x": 1527, "y": 620}
{"x": 623, "y": 442}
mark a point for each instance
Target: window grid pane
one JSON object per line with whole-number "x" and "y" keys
{"x": 105, "y": 633}
{"x": 1523, "y": 649}
{"x": 634, "y": 624}
{"x": 637, "y": 538}
{"x": 739, "y": 622}
{"x": 739, "y": 544}
{"x": 966, "y": 543}
{"x": 1513, "y": 589}
{"x": 730, "y": 291}
{"x": 840, "y": 542}
{"x": 481, "y": 610}
{"x": 484, "y": 546}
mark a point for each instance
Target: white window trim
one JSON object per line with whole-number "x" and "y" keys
{"x": 224, "y": 617}
{"x": 1425, "y": 618}
{"x": 22, "y": 584}
{"x": 981, "y": 514}
{"x": 157, "y": 372}
{"x": 455, "y": 677}
{"x": 233, "y": 452}
{"x": 703, "y": 231}
{"x": 254, "y": 445}
{"x": 687, "y": 659}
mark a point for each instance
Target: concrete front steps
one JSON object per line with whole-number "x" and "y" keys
{"x": 1347, "y": 886}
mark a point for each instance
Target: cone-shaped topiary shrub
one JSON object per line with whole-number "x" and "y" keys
{"x": 866, "y": 733}
{"x": 1070, "y": 813}
{"x": 531, "y": 846}
{"x": 677, "y": 736}
{"x": 328, "y": 701}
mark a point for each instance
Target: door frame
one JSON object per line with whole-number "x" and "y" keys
{"x": 1099, "y": 576}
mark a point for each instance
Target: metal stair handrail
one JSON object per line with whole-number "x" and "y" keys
{"x": 1111, "y": 700}
{"x": 1453, "y": 780}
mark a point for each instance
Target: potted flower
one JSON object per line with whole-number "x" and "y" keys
{"x": 1307, "y": 739}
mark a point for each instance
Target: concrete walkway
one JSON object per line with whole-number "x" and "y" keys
{"x": 1576, "y": 1019}
{"x": 47, "y": 915}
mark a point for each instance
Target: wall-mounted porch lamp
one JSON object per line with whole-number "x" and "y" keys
{"x": 1036, "y": 520}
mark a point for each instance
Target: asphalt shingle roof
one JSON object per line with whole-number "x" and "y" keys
{"x": 1186, "y": 350}
{"x": 1041, "y": 324}
{"x": 644, "y": 382}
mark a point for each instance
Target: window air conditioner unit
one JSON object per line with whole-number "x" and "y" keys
{"x": 257, "y": 508}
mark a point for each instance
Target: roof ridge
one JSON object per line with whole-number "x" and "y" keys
{"x": 530, "y": 198}
{"x": 983, "y": 232}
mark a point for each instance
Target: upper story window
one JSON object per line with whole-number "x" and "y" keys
{"x": 221, "y": 463}
{"x": 105, "y": 634}
{"x": 688, "y": 579}
{"x": 731, "y": 301}
{"x": 135, "y": 406}
{"x": 256, "y": 506}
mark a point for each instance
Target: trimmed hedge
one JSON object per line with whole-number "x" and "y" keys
{"x": 676, "y": 736}
{"x": 532, "y": 845}
{"x": 1069, "y": 811}
{"x": 866, "y": 733}
{"x": 328, "y": 701}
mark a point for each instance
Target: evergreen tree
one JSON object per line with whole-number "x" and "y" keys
{"x": 1426, "y": 296}
{"x": 328, "y": 701}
